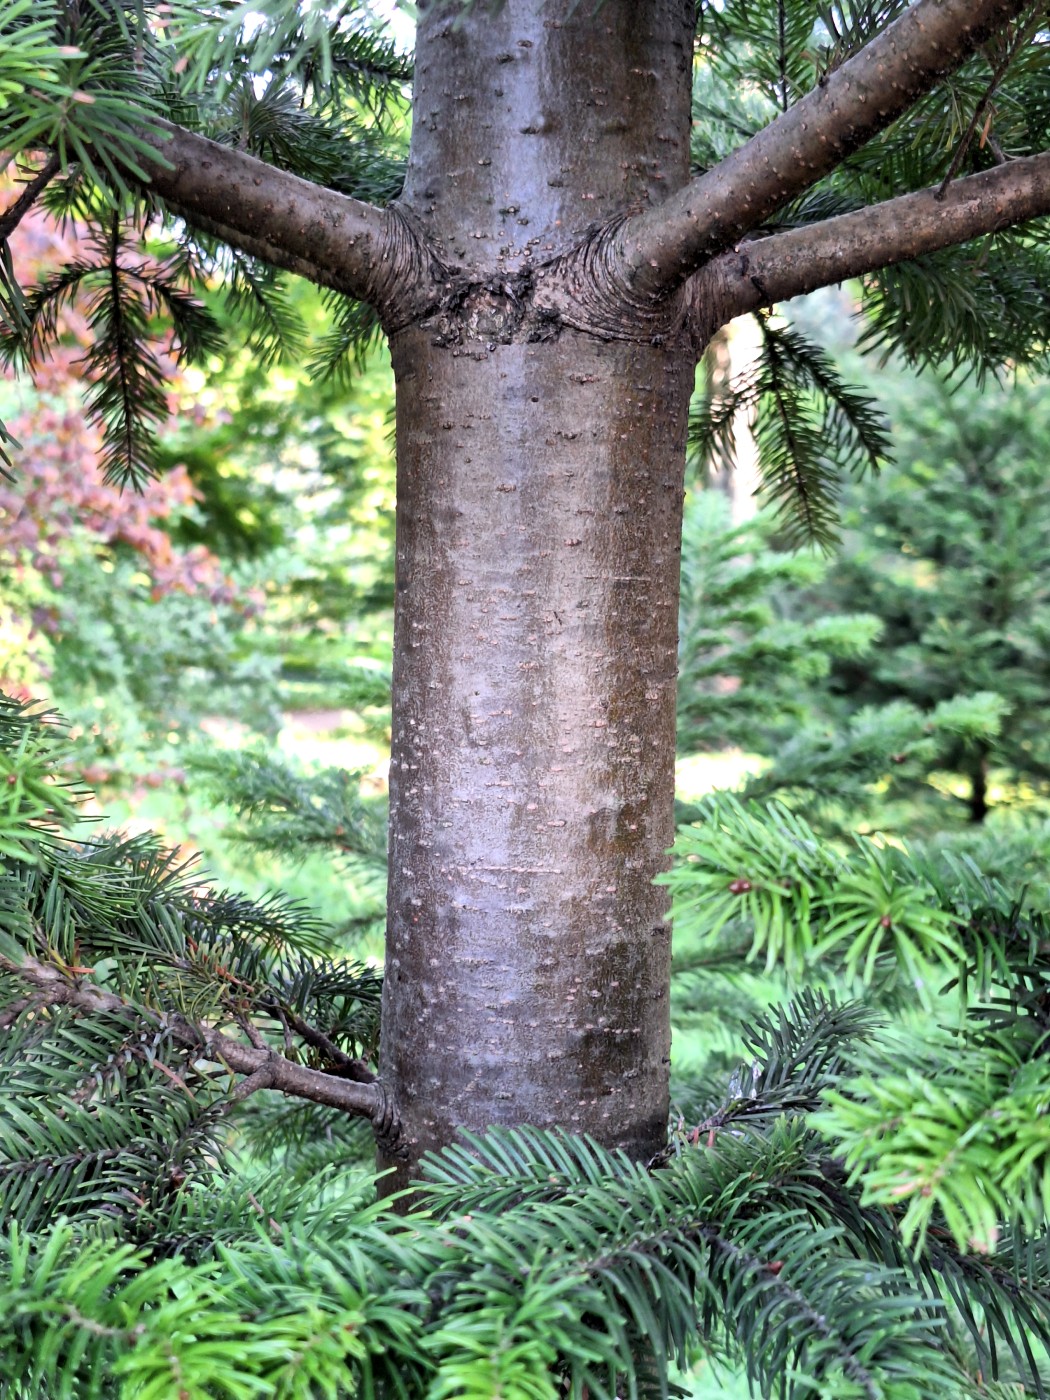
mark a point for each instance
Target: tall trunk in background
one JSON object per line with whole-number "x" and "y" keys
{"x": 976, "y": 769}
{"x": 540, "y": 467}
{"x": 732, "y": 351}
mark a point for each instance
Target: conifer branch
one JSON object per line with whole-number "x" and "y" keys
{"x": 346, "y": 1066}
{"x": 263, "y": 1068}
{"x": 663, "y": 246}
{"x": 13, "y": 216}
{"x": 1022, "y": 35}
{"x": 790, "y": 264}
{"x": 327, "y": 237}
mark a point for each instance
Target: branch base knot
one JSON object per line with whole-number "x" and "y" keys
{"x": 386, "y": 1125}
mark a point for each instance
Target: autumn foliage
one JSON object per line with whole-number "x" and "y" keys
{"x": 56, "y": 487}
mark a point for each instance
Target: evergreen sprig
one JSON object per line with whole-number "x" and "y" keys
{"x": 876, "y": 911}
{"x": 748, "y": 1244}
{"x": 922, "y": 1141}
{"x": 36, "y": 798}
{"x": 257, "y": 300}
{"x": 122, "y": 297}
{"x": 92, "y": 97}
{"x": 531, "y": 1263}
{"x": 973, "y": 310}
{"x": 809, "y": 424}
{"x": 322, "y": 141}
{"x": 286, "y": 810}
{"x": 333, "y": 47}
{"x": 945, "y": 1129}
{"x": 331, "y": 109}
{"x": 128, "y": 991}
{"x": 821, "y": 766}
{"x": 355, "y": 330}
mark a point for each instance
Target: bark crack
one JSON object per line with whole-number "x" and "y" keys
{"x": 584, "y": 290}
{"x": 590, "y": 290}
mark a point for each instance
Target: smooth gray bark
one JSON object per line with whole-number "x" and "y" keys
{"x": 317, "y": 233}
{"x": 790, "y": 264}
{"x": 532, "y": 775}
{"x": 539, "y": 516}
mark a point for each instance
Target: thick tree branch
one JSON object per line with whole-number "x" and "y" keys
{"x": 345, "y": 1065}
{"x": 264, "y": 1068}
{"x": 789, "y": 264}
{"x": 664, "y": 245}
{"x": 16, "y": 212}
{"x": 370, "y": 253}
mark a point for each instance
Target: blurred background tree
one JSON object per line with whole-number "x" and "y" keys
{"x": 950, "y": 549}
{"x": 245, "y": 593}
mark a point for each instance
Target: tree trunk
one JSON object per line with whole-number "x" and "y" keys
{"x": 977, "y": 772}
{"x": 733, "y": 350}
{"x": 540, "y": 477}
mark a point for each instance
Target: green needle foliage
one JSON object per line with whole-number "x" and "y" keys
{"x": 965, "y": 1151}
{"x": 945, "y": 1126}
{"x": 875, "y": 908}
{"x": 975, "y": 309}
{"x": 115, "y": 963}
{"x": 802, "y": 902}
{"x": 810, "y": 426}
{"x": 847, "y": 1214}
{"x": 950, "y": 549}
{"x": 292, "y": 813}
{"x": 814, "y": 1218}
{"x": 90, "y": 80}
{"x": 845, "y": 774}
{"x": 745, "y": 665}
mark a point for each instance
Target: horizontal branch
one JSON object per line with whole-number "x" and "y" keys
{"x": 347, "y": 1066}
{"x": 16, "y": 212}
{"x": 265, "y": 1068}
{"x": 790, "y": 264}
{"x": 666, "y": 244}
{"x": 329, "y": 238}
